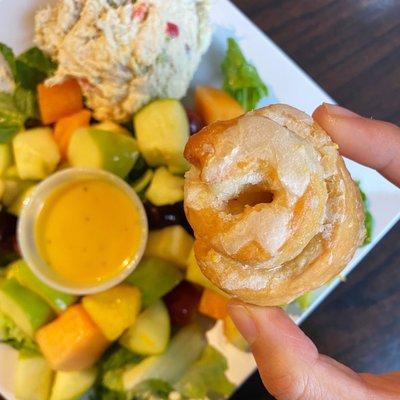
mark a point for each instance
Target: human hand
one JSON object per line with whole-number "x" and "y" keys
{"x": 289, "y": 363}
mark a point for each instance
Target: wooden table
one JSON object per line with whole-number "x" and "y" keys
{"x": 352, "y": 49}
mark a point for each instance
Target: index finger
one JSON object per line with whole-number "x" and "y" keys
{"x": 375, "y": 144}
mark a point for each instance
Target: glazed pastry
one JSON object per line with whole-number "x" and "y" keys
{"x": 274, "y": 210}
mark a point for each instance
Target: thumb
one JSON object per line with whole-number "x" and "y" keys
{"x": 288, "y": 361}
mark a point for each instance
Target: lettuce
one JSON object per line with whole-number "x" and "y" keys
{"x": 241, "y": 79}
{"x": 206, "y": 376}
{"x": 369, "y": 219}
{"x": 304, "y": 301}
{"x": 12, "y": 335}
{"x": 28, "y": 70}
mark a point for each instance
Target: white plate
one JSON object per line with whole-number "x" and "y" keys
{"x": 287, "y": 84}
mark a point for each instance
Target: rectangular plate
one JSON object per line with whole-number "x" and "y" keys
{"x": 287, "y": 84}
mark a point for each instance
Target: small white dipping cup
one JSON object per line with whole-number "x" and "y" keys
{"x": 34, "y": 204}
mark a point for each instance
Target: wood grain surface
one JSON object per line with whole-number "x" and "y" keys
{"x": 352, "y": 49}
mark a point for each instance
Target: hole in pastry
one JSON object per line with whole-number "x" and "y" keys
{"x": 250, "y": 197}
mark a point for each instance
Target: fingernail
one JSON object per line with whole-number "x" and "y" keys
{"x": 337, "y": 111}
{"x": 244, "y": 322}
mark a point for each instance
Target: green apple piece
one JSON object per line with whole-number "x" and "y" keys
{"x": 194, "y": 275}
{"x": 25, "y": 308}
{"x": 57, "y": 300}
{"x": 72, "y": 385}
{"x": 111, "y": 126}
{"x": 162, "y": 130}
{"x": 171, "y": 244}
{"x": 185, "y": 348}
{"x": 5, "y": 157}
{"x": 33, "y": 378}
{"x": 13, "y": 188}
{"x": 96, "y": 148}
{"x": 141, "y": 183}
{"x": 36, "y": 153}
{"x": 21, "y": 200}
{"x": 165, "y": 188}
{"x": 154, "y": 278}
{"x": 149, "y": 335}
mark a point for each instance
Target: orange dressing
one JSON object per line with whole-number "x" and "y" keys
{"x": 88, "y": 231}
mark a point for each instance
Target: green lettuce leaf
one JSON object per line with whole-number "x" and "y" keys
{"x": 304, "y": 301}
{"x": 8, "y": 55}
{"x": 241, "y": 79}
{"x": 369, "y": 219}
{"x": 12, "y": 335}
{"x": 33, "y": 67}
{"x": 11, "y": 118}
{"x": 28, "y": 69}
{"x": 113, "y": 365}
{"x": 206, "y": 376}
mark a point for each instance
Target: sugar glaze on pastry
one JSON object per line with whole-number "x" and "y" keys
{"x": 274, "y": 210}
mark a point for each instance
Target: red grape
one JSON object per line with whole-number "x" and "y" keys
{"x": 182, "y": 303}
{"x": 195, "y": 122}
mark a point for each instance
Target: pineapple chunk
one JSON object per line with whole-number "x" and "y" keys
{"x": 113, "y": 310}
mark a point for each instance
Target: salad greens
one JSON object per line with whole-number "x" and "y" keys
{"x": 12, "y": 335}
{"x": 206, "y": 376}
{"x": 28, "y": 70}
{"x": 369, "y": 220}
{"x": 241, "y": 79}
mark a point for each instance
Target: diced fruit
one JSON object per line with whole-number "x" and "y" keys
{"x": 185, "y": 347}
{"x": 160, "y": 217}
{"x": 154, "y": 278}
{"x": 66, "y": 126}
{"x": 36, "y": 153}
{"x": 73, "y": 341}
{"x": 213, "y": 304}
{"x": 113, "y": 310}
{"x": 72, "y": 385}
{"x": 33, "y": 378}
{"x": 215, "y": 105}
{"x": 182, "y": 303}
{"x": 143, "y": 182}
{"x": 16, "y": 206}
{"x": 11, "y": 172}
{"x": 165, "y": 188}
{"x": 194, "y": 275}
{"x": 171, "y": 244}
{"x": 96, "y": 148}
{"x": 5, "y": 157}
{"x": 111, "y": 126}
{"x": 162, "y": 130}
{"x": 195, "y": 122}
{"x": 57, "y": 300}
{"x": 233, "y": 335}
{"x": 25, "y": 308}
{"x": 13, "y": 188}
{"x": 58, "y": 101}
{"x": 150, "y": 333}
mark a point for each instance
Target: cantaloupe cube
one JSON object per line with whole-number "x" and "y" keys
{"x": 60, "y": 100}
{"x": 215, "y": 105}
{"x": 213, "y": 304}
{"x": 113, "y": 310}
{"x": 72, "y": 342}
{"x": 66, "y": 126}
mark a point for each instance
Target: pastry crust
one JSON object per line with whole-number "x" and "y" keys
{"x": 274, "y": 210}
